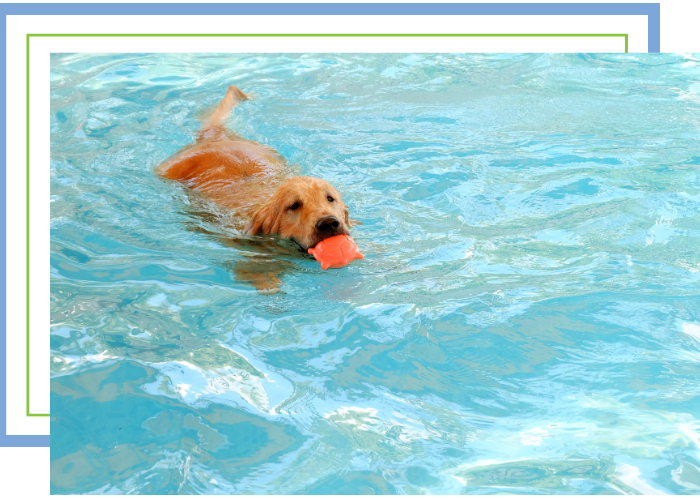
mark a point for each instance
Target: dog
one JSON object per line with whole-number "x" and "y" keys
{"x": 254, "y": 181}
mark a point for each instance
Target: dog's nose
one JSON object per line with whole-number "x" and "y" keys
{"x": 328, "y": 224}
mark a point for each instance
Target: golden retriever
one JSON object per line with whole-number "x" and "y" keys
{"x": 253, "y": 180}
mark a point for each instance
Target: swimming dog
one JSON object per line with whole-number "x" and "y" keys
{"x": 254, "y": 181}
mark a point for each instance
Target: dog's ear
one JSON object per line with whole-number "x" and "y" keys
{"x": 265, "y": 220}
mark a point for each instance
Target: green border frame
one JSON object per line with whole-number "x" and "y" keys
{"x": 40, "y": 45}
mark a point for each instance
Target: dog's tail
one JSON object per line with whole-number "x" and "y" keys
{"x": 233, "y": 96}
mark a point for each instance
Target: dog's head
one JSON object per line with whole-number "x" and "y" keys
{"x": 305, "y": 209}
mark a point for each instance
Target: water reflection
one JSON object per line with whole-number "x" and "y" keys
{"x": 526, "y": 318}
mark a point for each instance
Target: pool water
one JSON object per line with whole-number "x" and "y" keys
{"x": 526, "y": 318}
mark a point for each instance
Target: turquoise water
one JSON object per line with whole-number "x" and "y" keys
{"x": 526, "y": 318}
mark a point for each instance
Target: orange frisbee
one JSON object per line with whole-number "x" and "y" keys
{"x": 336, "y": 251}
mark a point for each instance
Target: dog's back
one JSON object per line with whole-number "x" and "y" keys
{"x": 220, "y": 157}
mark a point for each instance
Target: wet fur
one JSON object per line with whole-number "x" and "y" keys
{"x": 253, "y": 180}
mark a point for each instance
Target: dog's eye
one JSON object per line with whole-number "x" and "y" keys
{"x": 330, "y": 198}
{"x": 294, "y": 206}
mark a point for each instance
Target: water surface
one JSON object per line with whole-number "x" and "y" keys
{"x": 526, "y": 318}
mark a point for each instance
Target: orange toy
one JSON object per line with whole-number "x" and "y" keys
{"x": 336, "y": 251}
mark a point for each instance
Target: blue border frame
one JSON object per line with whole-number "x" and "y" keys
{"x": 640, "y": 21}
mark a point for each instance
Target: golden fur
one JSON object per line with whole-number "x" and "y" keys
{"x": 253, "y": 180}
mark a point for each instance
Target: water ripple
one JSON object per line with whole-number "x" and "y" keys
{"x": 526, "y": 319}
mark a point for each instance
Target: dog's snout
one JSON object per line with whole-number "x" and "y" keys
{"x": 328, "y": 224}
